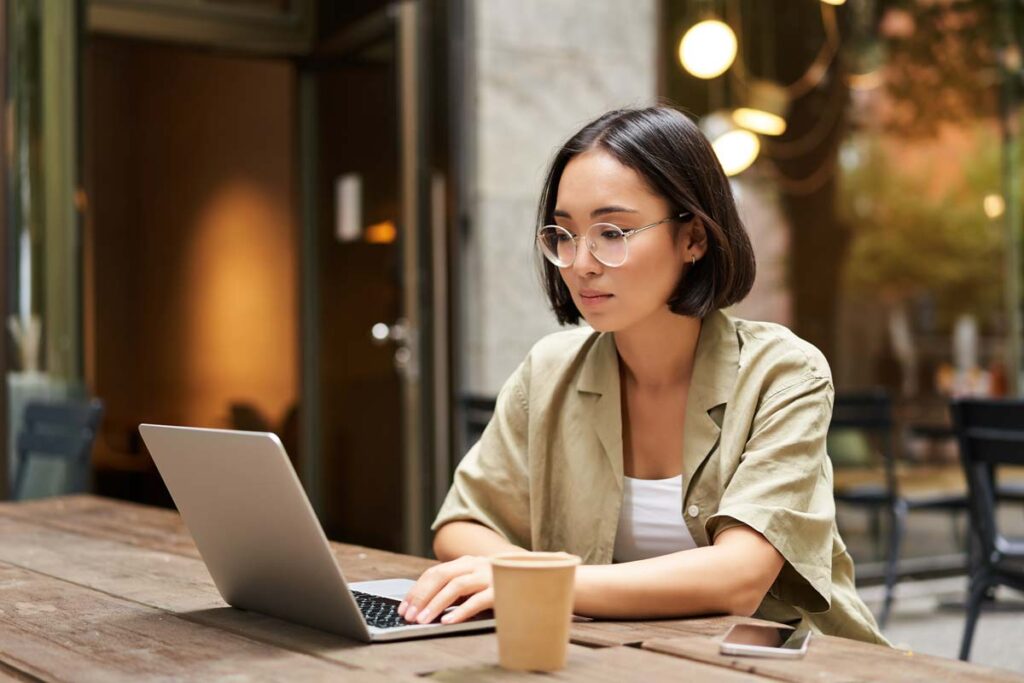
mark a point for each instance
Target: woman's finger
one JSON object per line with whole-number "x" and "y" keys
{"x": 473, "y": 606}
{"x": 467, "y": 584}
{"x": 427, "y": 586}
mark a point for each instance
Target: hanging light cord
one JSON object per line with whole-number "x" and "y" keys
{"x": 812, "y": 77}
{"x": 808, "y": 184}
{"x": 808, "y": 81}
{"x": 817, "y": 69}
{"x": 809, "y": 141}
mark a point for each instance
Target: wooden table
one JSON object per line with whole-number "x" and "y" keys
{"x": 98, "y": 590}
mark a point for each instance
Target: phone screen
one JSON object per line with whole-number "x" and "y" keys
{"x": 783, "y": 638}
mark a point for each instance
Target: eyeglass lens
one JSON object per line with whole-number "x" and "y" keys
{"x": 606, "y": 242}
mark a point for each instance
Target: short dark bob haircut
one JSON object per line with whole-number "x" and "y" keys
{"x": 675, "y": 159}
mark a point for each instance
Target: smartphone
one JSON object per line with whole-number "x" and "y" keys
{"x": 757, "y": 640}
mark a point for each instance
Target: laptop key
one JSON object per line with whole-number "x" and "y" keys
{"x": 379, "y": 611}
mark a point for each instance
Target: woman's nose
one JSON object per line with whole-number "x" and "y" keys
{"x": 586, "y": 263}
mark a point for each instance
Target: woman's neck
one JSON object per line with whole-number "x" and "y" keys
{"x": 659, "y": 352}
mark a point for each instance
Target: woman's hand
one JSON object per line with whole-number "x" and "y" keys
{"x": 440, "y": 586}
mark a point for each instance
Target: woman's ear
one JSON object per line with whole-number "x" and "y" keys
{"x": 695, "y": 239}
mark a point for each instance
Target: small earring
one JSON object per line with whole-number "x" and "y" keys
{"x": 693, "y": 260}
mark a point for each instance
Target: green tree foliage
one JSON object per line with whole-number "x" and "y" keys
{"x": 909, "y": 242}
{"x": 940, "y": 63}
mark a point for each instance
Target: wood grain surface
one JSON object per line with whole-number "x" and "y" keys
{"x": 100, "y": 590}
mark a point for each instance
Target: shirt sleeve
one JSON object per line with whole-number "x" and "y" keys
{"x": 783, "y": 490}
{"x": 491, "y": 484}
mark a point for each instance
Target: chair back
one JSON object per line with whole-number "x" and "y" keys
{"x": 990, "y": 433}
{"x": 869, "y": 412}
{"x": 59, "y": 436}
{"x": 477, "y": 412}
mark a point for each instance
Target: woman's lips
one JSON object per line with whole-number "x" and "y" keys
{"x": 594, "y": 298}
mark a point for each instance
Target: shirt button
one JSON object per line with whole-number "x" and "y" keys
{"x": 693, "y": 510}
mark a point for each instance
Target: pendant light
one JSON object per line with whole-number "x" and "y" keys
{"x": 708, "y": 48}
{"x": 765, "y": 113}
{"x": 735, "y": 147}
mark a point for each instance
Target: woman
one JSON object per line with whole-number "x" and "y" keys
{"x": 680, "y": 452}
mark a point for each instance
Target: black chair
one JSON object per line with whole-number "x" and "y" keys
{"x": 991, "y": 434}
{"x": 61, "y": 435}
{"x": 476, "y": 413}
{"x": 871, "y": 413}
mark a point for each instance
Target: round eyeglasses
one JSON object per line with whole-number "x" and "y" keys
{"x": 606, "y": 241}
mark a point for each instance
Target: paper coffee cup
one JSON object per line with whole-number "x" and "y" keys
{"x": 533, "y": 598}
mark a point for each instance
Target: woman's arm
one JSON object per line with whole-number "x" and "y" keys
{"x": 491, "y": 485}
{"x": 465, "y": 572}
{"x": 730, "y": 577}
{"x": 456, "y": 539}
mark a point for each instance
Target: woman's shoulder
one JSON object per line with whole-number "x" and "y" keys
{"x": 558, "y": 359}
{"x": 552, "y": 361}
{"x": 561, "y": 348}
{"x": 776, "y": 350}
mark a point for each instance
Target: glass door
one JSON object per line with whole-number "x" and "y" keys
{"x": 369, "y": 370}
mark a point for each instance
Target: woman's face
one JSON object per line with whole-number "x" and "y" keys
{"x": 596, "y": 188}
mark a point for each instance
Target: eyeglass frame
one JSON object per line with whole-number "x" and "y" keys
{"x": 683, "y": 217}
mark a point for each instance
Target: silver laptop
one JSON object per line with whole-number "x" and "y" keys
{"x": 262, "y": 543}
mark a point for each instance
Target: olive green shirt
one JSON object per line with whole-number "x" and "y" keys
{"x": 547, "y": 473}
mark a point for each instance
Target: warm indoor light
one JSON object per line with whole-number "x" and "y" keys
{"x": 865, "y": 81}
{"x": 834, "y": 2}
{"x": 735, "y": 148}
{"x": 994, "y": 205}
{"x": 759, "y": 121}
{"x": 381, "y": 233}
{"x": 708, "y": 49}
{"x": 766, "y": 108}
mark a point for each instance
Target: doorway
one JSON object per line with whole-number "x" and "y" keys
{"x": 358, "y": 264}
{"x": 267, "y": 240}
{"x": 191, "y": 248}
{"x": 381, "y": 220}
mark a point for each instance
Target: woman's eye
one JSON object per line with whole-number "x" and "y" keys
{"x": 611, "y": 234}
{"x": 562, "y": 237}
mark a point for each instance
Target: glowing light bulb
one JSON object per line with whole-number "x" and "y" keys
{"x": 708, "y": 49}
{"x": 765, "y": 110}
{"x": 736, "y": 150}
{"x": 994, "y": 205}
{"x": 760, "y": 121}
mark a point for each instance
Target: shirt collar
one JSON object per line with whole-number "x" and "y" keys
{"x": 716, "y": 366}
{"x": 716, "y": 363}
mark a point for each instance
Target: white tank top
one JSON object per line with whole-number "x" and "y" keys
{"x": 651, "y": 520}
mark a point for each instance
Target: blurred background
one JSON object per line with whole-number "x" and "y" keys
{"x": 316, "y": 218}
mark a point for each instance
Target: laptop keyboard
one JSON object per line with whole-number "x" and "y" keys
{"x": 379, "y": 611}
